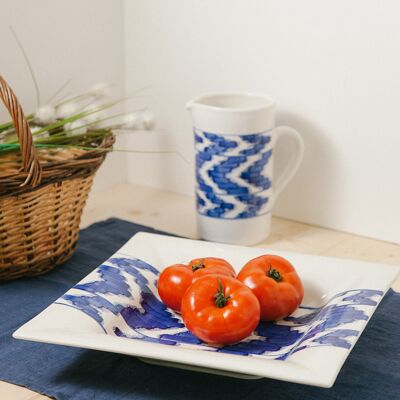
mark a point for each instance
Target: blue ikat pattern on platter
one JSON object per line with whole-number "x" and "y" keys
{"x": 231, "y": 174}
{"x": 122, "y": 298}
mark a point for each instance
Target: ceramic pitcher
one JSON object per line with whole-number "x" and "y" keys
{"x": 235, "y": 136}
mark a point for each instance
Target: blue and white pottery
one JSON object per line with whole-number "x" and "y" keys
{"x": 235, "y": 135}
{"x": 117, "y": 308}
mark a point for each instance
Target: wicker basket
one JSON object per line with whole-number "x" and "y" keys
{"x": 42, "y": 195}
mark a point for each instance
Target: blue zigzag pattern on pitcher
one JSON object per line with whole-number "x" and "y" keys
{"x": 122, "y": 299}
{"x": 219, "y": 194}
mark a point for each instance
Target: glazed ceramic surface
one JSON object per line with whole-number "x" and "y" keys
{"x": 116, "y": 308}
{"x": 235, "y": 136}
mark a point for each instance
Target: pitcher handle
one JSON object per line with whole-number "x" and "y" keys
{"x": 294, "y": 163}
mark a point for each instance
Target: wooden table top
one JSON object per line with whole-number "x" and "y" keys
{"x": 175, "y": 213}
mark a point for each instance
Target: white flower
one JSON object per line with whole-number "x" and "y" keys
{"x": 100, "y": 89}
{"x": 67, "y": 109}
{"x": 35, "y": 129}
{"x": 149, "y": 120}
{"x": 76, "y": 127}
{"x": 46, "y": 114}
{"x": 131, "y": 121}
{"x": 94, "y": 116}
{"x": 91, "y": 108}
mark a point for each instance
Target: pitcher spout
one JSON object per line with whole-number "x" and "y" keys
{"x": 193, "y": 103}
{"x": 189, "y": 105}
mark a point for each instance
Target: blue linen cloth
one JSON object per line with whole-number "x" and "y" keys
{"x": 372, "y": 370}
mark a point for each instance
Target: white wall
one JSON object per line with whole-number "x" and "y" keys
{"x": 332, "y": 65}
{"x": 77, "y": 39}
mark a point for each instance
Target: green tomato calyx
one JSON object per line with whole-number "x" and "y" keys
{"x": 198, "y": 265}
{"x": 220, "y": 300}
{"x": 274, "y": 274}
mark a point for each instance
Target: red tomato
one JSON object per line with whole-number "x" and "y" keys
{"x": 219, "y": 309}
{"x": 276, "y": 284}
{"x": 211, "y": 265}
{"x": 172, "y": 284}
{"x": 175, "y": 279}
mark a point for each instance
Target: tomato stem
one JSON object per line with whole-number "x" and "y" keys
{"x": 274, "y": 274}
{"x": 198, "y": 265}
{"x": 220, "y": 300}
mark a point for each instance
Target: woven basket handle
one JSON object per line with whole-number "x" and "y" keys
{"x": 30, "y": 162}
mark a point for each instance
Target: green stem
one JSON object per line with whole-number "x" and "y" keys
{"x": 220, "y": 300}
{"x": 10, "y": 124}
{"x": 198, "y": 265}
{"x": 274, "y": 274}
{"x": 72, "y": 118}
